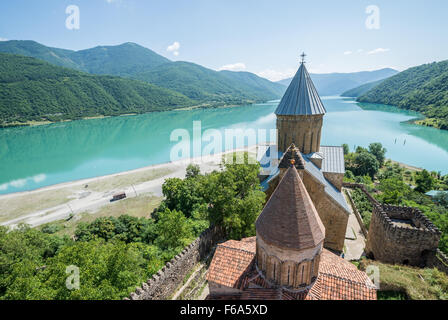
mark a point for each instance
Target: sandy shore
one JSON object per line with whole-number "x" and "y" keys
{"x": 60, "y": 201}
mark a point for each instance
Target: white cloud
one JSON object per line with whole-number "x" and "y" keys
{"x": 174, "y": 48}
{"x": 3, "y": 39}
{"x": 346, "y": 53}
{"x": 378, "y": 50}
{"x": 234, "y": 67}
{"x": 360, "y": 50}
{"x": 275, "y": 75}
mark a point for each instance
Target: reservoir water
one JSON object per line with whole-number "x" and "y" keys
{"x": 34, "y": 157}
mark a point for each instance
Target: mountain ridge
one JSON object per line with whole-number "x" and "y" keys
{"x": 328, "y": 84}
{"x": 423, "y": 88}
{"x": 133, "y": 61}
{"x": 41, "y": 91}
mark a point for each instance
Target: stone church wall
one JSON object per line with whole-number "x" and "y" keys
{"x": 334, "y": 218}
{"x": 163, "y": 284}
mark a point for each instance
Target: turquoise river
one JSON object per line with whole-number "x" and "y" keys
{"x": 34, "y": 157}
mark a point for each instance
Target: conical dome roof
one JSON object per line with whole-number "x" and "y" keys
{"x": 289, "y": 219}
{"x": 301, "y": 97}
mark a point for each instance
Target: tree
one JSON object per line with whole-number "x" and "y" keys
{"x": 441, "y": 198}
{"x": 174, "y": 232}
{"x": 394, "y": 190}
{"x": 378, "y": 151}
{"x": 425, "y": 182}
{"x": 234, "y": 197}
{"x": 346, "y": 149}
{"x": 192, "y": 171}
{"x": 366, "y": 164}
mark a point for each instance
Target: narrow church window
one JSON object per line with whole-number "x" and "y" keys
{"x": 288, "y": 273}
{"x": 312, "y": 141}
{"x": 303, "y": 144}
{"x": 303, "y": 269}
{"x": 274, "y": 271}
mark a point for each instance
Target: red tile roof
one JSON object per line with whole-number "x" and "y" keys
{"x": 233, "y": 266}
{"x": 230, "y": 262}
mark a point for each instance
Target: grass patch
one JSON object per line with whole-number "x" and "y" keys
{"x": 415, "y": 283}
{"x": 17, "y": 206}
{"x": 127, "y": 179}
{"x": 141, "y": 206}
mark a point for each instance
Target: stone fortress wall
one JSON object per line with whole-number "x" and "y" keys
{"x": 402, "y": 235}
{"x": 163, "y": 284}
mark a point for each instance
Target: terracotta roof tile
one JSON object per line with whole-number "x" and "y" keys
{"x": 338, "y": 279}
{"x": 230, "y": 262}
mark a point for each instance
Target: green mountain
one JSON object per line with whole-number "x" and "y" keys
{"x": 331, "y": 84}
{"x": 255, "y": 82}
{"x": 133, "y": 61}
{"x": 423, "y": 88}
{"x": 59, "y": 57}
{"x": 31, "y": 89}
{"x": 205, "y": 85}
{"x": 123, "y": 60}
{"x": 358, "y": 91}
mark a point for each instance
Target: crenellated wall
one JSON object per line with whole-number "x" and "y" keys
{"x": 163, "y": 284}
{"x": 400, "y": 235}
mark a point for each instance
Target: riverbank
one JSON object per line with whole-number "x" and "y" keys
{"x": 33, "y": 123}
{"x": 90, "y": 196}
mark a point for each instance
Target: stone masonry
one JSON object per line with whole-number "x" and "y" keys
{"x": 163, "y": 284}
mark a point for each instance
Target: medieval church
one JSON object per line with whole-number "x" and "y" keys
{"x": 301, "y": 231}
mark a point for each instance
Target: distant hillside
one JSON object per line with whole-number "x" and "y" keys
{"x": 59, "y": 57}
{"x": 358, "y": 91}
{"x": 423, "y": 88}
{"x": 331, "y": 84}
{"x": 122, "y": 60}
{"x": 31, "y": 89}
{"x": 205, "y": 85}
{"x": 257, "y": 83}
{"x": 133, "y": 61}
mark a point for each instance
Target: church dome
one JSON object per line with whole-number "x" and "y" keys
{"x": 290, "y": 235}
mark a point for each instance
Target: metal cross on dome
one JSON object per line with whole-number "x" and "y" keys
{"x": 303, "y": 55}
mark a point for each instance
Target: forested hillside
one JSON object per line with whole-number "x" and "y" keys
{"x": 358, "y": 91}
{"x": 206, "y": 85}
{"x": 423, "y": 88}
{"x": 31, "y": 89}
{"x": 133, "y": 61}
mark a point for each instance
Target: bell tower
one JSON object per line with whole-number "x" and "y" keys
{"x": 300, "y": 114}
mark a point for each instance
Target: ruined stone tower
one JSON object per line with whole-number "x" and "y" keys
{"x": 300, "y": 114}
{"x": 290, "y": 235}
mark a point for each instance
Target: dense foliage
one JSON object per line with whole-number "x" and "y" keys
{"x": 34, "y": 90}
{"x": 393, "y": 184}
{"x": 114, "y": 255}
{"x": 359, "y": 91}
{"x": 423, "y": 88}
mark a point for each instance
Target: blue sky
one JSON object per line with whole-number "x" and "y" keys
{"x": 260, "y": 36}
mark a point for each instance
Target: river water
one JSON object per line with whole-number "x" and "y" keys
{"x": 34, "y": 157}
